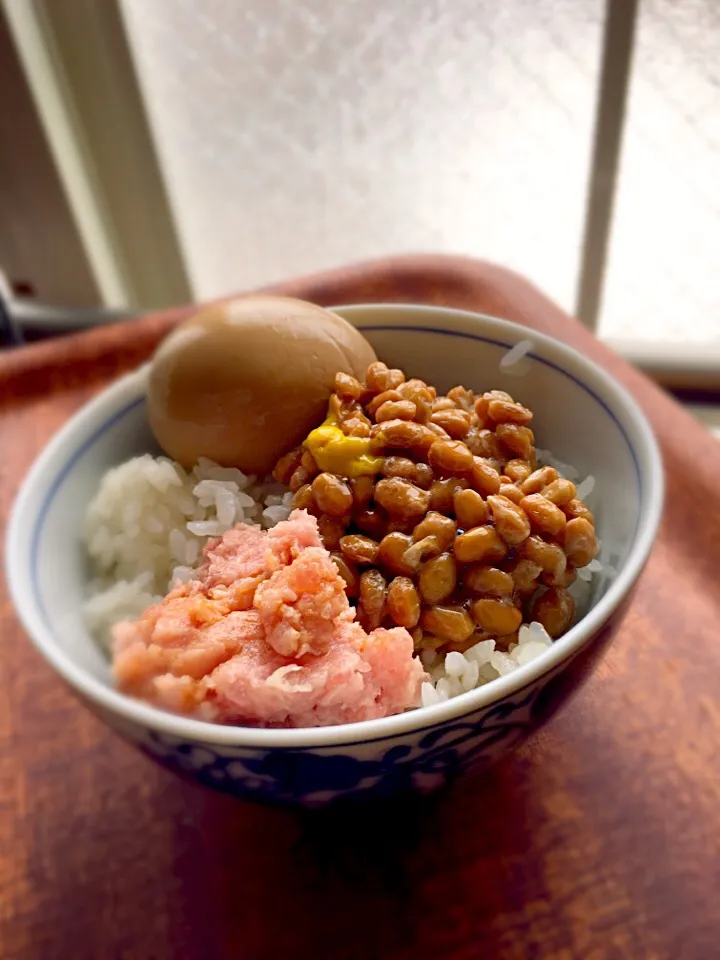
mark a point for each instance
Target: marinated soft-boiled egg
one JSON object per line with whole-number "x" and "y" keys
{"x": 245, "y": 381}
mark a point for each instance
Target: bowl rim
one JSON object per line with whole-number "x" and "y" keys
{"x": 76, "y": 433}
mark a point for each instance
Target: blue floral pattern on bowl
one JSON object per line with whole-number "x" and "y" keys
{"x": 422, "y": 760}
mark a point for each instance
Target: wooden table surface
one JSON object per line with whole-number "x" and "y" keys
{"x": 600, "y": 839}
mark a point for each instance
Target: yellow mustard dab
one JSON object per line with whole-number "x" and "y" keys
{"x": 336, "y": 453}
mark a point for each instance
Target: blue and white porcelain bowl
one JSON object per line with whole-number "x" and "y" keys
{"x": 581, "y": 414}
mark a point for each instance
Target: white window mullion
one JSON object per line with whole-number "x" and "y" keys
{"x": 79, "y": 71}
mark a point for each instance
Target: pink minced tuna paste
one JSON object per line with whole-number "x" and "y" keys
{"x": 265, "y": 636}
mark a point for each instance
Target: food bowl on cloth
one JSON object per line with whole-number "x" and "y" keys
{"x": 582, "y": 416}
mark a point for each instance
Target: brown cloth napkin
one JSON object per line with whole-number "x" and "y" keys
{"x": 599, "y": 839}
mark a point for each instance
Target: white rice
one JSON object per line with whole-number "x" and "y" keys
{"x": 457, "y": 673}
{"x": 149, "y": 521}
{"x": 584, "y": 489}
{"x": 515, "y": 362}
{"x": 546, "y": 459}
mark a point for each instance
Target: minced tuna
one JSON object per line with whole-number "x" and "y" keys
{"x": 264, "y": 635}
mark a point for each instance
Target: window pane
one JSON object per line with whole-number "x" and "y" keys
{"x": 663, "y": 275}
{"x": 301, "y": 135}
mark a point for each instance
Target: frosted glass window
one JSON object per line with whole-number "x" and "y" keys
{"x": 663, "y": 272}
{"x": 302, "y": 134}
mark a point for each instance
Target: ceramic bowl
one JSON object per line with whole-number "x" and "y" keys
{"x": 581, "y": 414}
